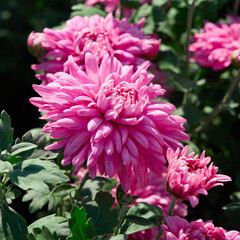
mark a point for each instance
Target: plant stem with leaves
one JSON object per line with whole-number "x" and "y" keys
{"x": 188, "y": 30}
{"x": 169, "y": 213}
{"x": 220, "y": 107}
{"x": 80, "y": 186}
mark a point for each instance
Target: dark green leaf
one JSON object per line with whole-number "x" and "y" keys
{"x": 151, "y": 213}
{"x": 81, "y": 228}
{"x": 12, "y": 225}
{"x": 6, "y": 132}
{"x": 137, "y": 220}
{"x": 82, "y": 10}
{"x": 130, "y": 3}
{"x": 232, "y": 210}
{"x": 92, "y": 186}
{"x": 39, "y": 139}
{"x": 35, "y": 173}
{"x": 53, "y": 223}
{"x": 101, "y": 212}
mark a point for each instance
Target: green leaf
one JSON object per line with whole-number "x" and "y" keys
{"x": 151, "y": 214}
{"x": 42, "y": 234}
{"x": 35, "y": 174}
{"x": 92, "y": 186}
{"x": 232, "y": 210}
{"x": 159, "y": 3}
{"x": 118, "y": 237}
{"x": 6, "y": 132}
{"x": 53, "y": 223}
{"x": 101, "y": 212}
{"x": 82, "y": 10}
{"x": 5, "y": 167}
{"x": 11, "y": 194}
{"x": 39, "y": 199}
{"x": 81, "y": 228}
{"x": 12, "y": 224}
{"x": 40, "y": 140}
{"x": 19, "y": 151}
{"x": 130, "y": 3}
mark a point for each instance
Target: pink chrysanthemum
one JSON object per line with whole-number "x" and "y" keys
{"x": 99, "y": 36}
{"x": 189, "y": 176}
{"x": 213, "y": 46}
{"x": 106, "y": 115}
{"x": 179, "y": 228}
{"x": 232, "y": 235}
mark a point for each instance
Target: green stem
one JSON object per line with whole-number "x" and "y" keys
{"x": 235, "y": 8}
{"x": 188, "y": 30}
{"x": 120, "y": 219}
{"x": 80, "y": 186}
{"x": 220, "y": 107}
{"x": 169, "y": 213}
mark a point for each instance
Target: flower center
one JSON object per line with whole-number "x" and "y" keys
{"x": 94, "y": 40}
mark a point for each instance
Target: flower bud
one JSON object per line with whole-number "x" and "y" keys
{"x": 35, "y": 47}
{"x": 235, "y": 57}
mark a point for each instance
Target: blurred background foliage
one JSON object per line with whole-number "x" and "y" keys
{"x": 220, "y": 139}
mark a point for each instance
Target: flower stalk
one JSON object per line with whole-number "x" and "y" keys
{"x": 120, "y": 219}
{"x": 169, "y": 213}
{"x": 220, "y": 107}
{"x": 235, "y": 8}
{"x": 81, "y": 185}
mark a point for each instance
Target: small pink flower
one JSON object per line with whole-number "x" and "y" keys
{"x": 106, "y": 116}
{"x": 189, "y": 176}
{"x": 232, "y": 235}
{"x": 213, "y": 46}
{"x": 179, "y": 228}
{"x": 99, "y": 36}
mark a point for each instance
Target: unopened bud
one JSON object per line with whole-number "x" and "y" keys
{"x": 35, "y": 47}
{"x": 235, "y": 57}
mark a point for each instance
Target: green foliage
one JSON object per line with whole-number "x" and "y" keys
{"x": 35, "y": 173}
{"x": 42, "y": 234}
{"x": 82, "y": 10}
{"x": 141, "y": 216}
{"x": 12, "y": 225}
{"x": 6, "y": 132}
{"x": 54, "y": 223}
{"x": 101, "y": 212}
{"x": 81, "y": 227}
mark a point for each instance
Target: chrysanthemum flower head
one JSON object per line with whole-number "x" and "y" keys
{"x": 232, "y": 235}
{"x": 213, "y": 46}
{"x": 99, "y": 36}
{"x": 106, "y": 116}
{"x": 189, "y": 175}
{"x": 179, "y": 229}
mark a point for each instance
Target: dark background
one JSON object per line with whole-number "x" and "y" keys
{"x": 19, "y": 17}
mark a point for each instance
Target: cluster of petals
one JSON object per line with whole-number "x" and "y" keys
{"x": 99, "y": 36}
{"x": 213, "y": 46}
{"x": 232, "y": 235}
{"x": 189, "y": 175}
{"x": 180, "y": 229}
{"x": 107, "y": 117}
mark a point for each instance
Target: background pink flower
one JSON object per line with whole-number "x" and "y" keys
{"x": 106, "y": 115}
{"x": 99, "y": 36}
{"x": 212, "y": 47}
{"x": 232, "y": 235}
{"x": 179, "y": 228}
{"x": 189, "y": 176}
